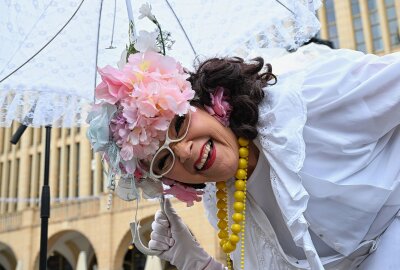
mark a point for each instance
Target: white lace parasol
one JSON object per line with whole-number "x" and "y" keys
{"x": 57, "y": 84}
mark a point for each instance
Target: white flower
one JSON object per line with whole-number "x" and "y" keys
{"x": 98, "y": 132}
{"x": 145, "y": 11}
{"x": 146, "y": 41}
{"x": 122, "y": 61}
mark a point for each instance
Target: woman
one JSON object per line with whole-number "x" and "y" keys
{"x": 305, "y": 161}
{"x": 323, "y": 186}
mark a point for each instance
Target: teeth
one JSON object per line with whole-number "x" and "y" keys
{"x": 207, "y": 148}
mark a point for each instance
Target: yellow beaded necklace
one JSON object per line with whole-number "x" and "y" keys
{"x": 228, "y": 242}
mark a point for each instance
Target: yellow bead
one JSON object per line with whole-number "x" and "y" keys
{"x": 242, "y": 163}
{"x": 237, "y": 217}
{"x": 222, "y": 224}
{"x": 237, "y": 206}
{"x": 243, "y": 142}
{"x": 234, "y": 238}
{"x": 243, "y": 152}
{"x": 228, "y": 247}
{"x": 240, "y": 184}
{"x": 221, "y": 194}
{"x": 223, "y": 241}
{"x": 239, "y": 196}
{"x": 241, "y": 174}
{"x": 223, "y": 234}
{"x": 220, "y": 185}
{"x": 222, "y": 214}
{"x": 221, "y": 204}
{"x": 236, "y": 228}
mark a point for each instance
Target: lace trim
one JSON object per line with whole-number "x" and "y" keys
{"x": 290, "y": 31}
{"x": 36, "y": 108}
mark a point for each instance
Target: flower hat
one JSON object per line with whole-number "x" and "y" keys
{"x": 134, "y": 105}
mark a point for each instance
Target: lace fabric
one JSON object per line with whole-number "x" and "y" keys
{"x": 216, "y": 28}
{"x": 36, "y": 108}
{"x": 58, "y": 83}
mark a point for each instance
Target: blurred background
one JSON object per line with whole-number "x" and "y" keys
{"x": 83, "y": 233}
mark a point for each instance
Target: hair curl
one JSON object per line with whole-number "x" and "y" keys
{"x": 243, "y": 84}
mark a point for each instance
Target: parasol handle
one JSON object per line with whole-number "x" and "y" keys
{"x": 136, "y": 235}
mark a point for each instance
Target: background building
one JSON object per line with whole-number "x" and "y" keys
{"x": 83, "y": 234}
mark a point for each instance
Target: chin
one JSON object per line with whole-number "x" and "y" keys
{"x": 226, "y": 176}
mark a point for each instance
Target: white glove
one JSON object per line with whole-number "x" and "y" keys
{"x": 172, "y": 236}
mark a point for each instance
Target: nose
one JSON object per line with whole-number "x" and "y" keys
{"x": 182, "y": 150}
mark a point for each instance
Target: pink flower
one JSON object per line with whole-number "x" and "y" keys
{"x": 116, "y": 85}
{"x": 146, "y": 93}
{"x": 181, "y": 192}
{"x": 220, "y": 107}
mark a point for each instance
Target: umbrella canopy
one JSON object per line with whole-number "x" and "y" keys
{"x": 55, "y": 86}
{"x": 62, "y": 42}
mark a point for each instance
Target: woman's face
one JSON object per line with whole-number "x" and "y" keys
{"x": 208, "y": 153}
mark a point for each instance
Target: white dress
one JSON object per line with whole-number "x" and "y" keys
{"x": 330, "y": 134}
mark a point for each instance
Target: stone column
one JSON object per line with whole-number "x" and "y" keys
{"x": 97, "y": 169}
{"x": 85, "y": 167}
{"x": 4, "y": 174}
{"x": 54, "y": 163}
{"x": 73, "y": 174}
{"x": 323, "y": 20}
{"x": 63, "y": 166}
{"x": 13, "y": 180}
{"x": 82, "y": 261}
{"x": 344, "y": 25}
{"x": 35, "y": 169}
{"x": 24, "y": 170}
{"x": 384, "y": 25}
{"x": 366, "y": 25}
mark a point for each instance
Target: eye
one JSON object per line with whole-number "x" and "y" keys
{"x": 178, "y": 123}
{"x": 163, "y": 162}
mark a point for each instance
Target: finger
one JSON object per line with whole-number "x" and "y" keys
{"x": 173, "y": 217}
{"x": 155, "y": 245}
{"x": 160, "y": 229}
{"x": 162, "y": 239}
{"x": 161, "y": 218}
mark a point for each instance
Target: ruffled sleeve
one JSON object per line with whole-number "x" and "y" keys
{"x": 283, "y": 114}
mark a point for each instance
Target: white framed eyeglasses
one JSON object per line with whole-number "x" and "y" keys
{"x": 164, "y": 158}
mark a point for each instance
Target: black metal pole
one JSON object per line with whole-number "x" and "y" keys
{"x": 45, "y": 204}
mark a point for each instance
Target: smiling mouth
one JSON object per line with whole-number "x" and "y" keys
{"x": 207, "y": 156}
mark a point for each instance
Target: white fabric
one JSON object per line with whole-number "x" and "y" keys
{"x": 387, "y": 255}
{"x": 259, "y": 186}
{"x": 56, "y": 86}
{"x": 330, "y": 134}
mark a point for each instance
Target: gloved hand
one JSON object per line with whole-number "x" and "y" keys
{"x": 172, "y": 236}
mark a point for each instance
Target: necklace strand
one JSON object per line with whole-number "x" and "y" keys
{"x": 228, "y": 241}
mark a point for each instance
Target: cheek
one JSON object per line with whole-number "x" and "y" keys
{"x": 227, "y": 166}
{"x": 180, "y": 174}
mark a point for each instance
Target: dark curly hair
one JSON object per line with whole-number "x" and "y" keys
{"x": 243, "y": 83}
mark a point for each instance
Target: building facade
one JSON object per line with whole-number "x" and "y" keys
{"x": 83, "y": 233}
